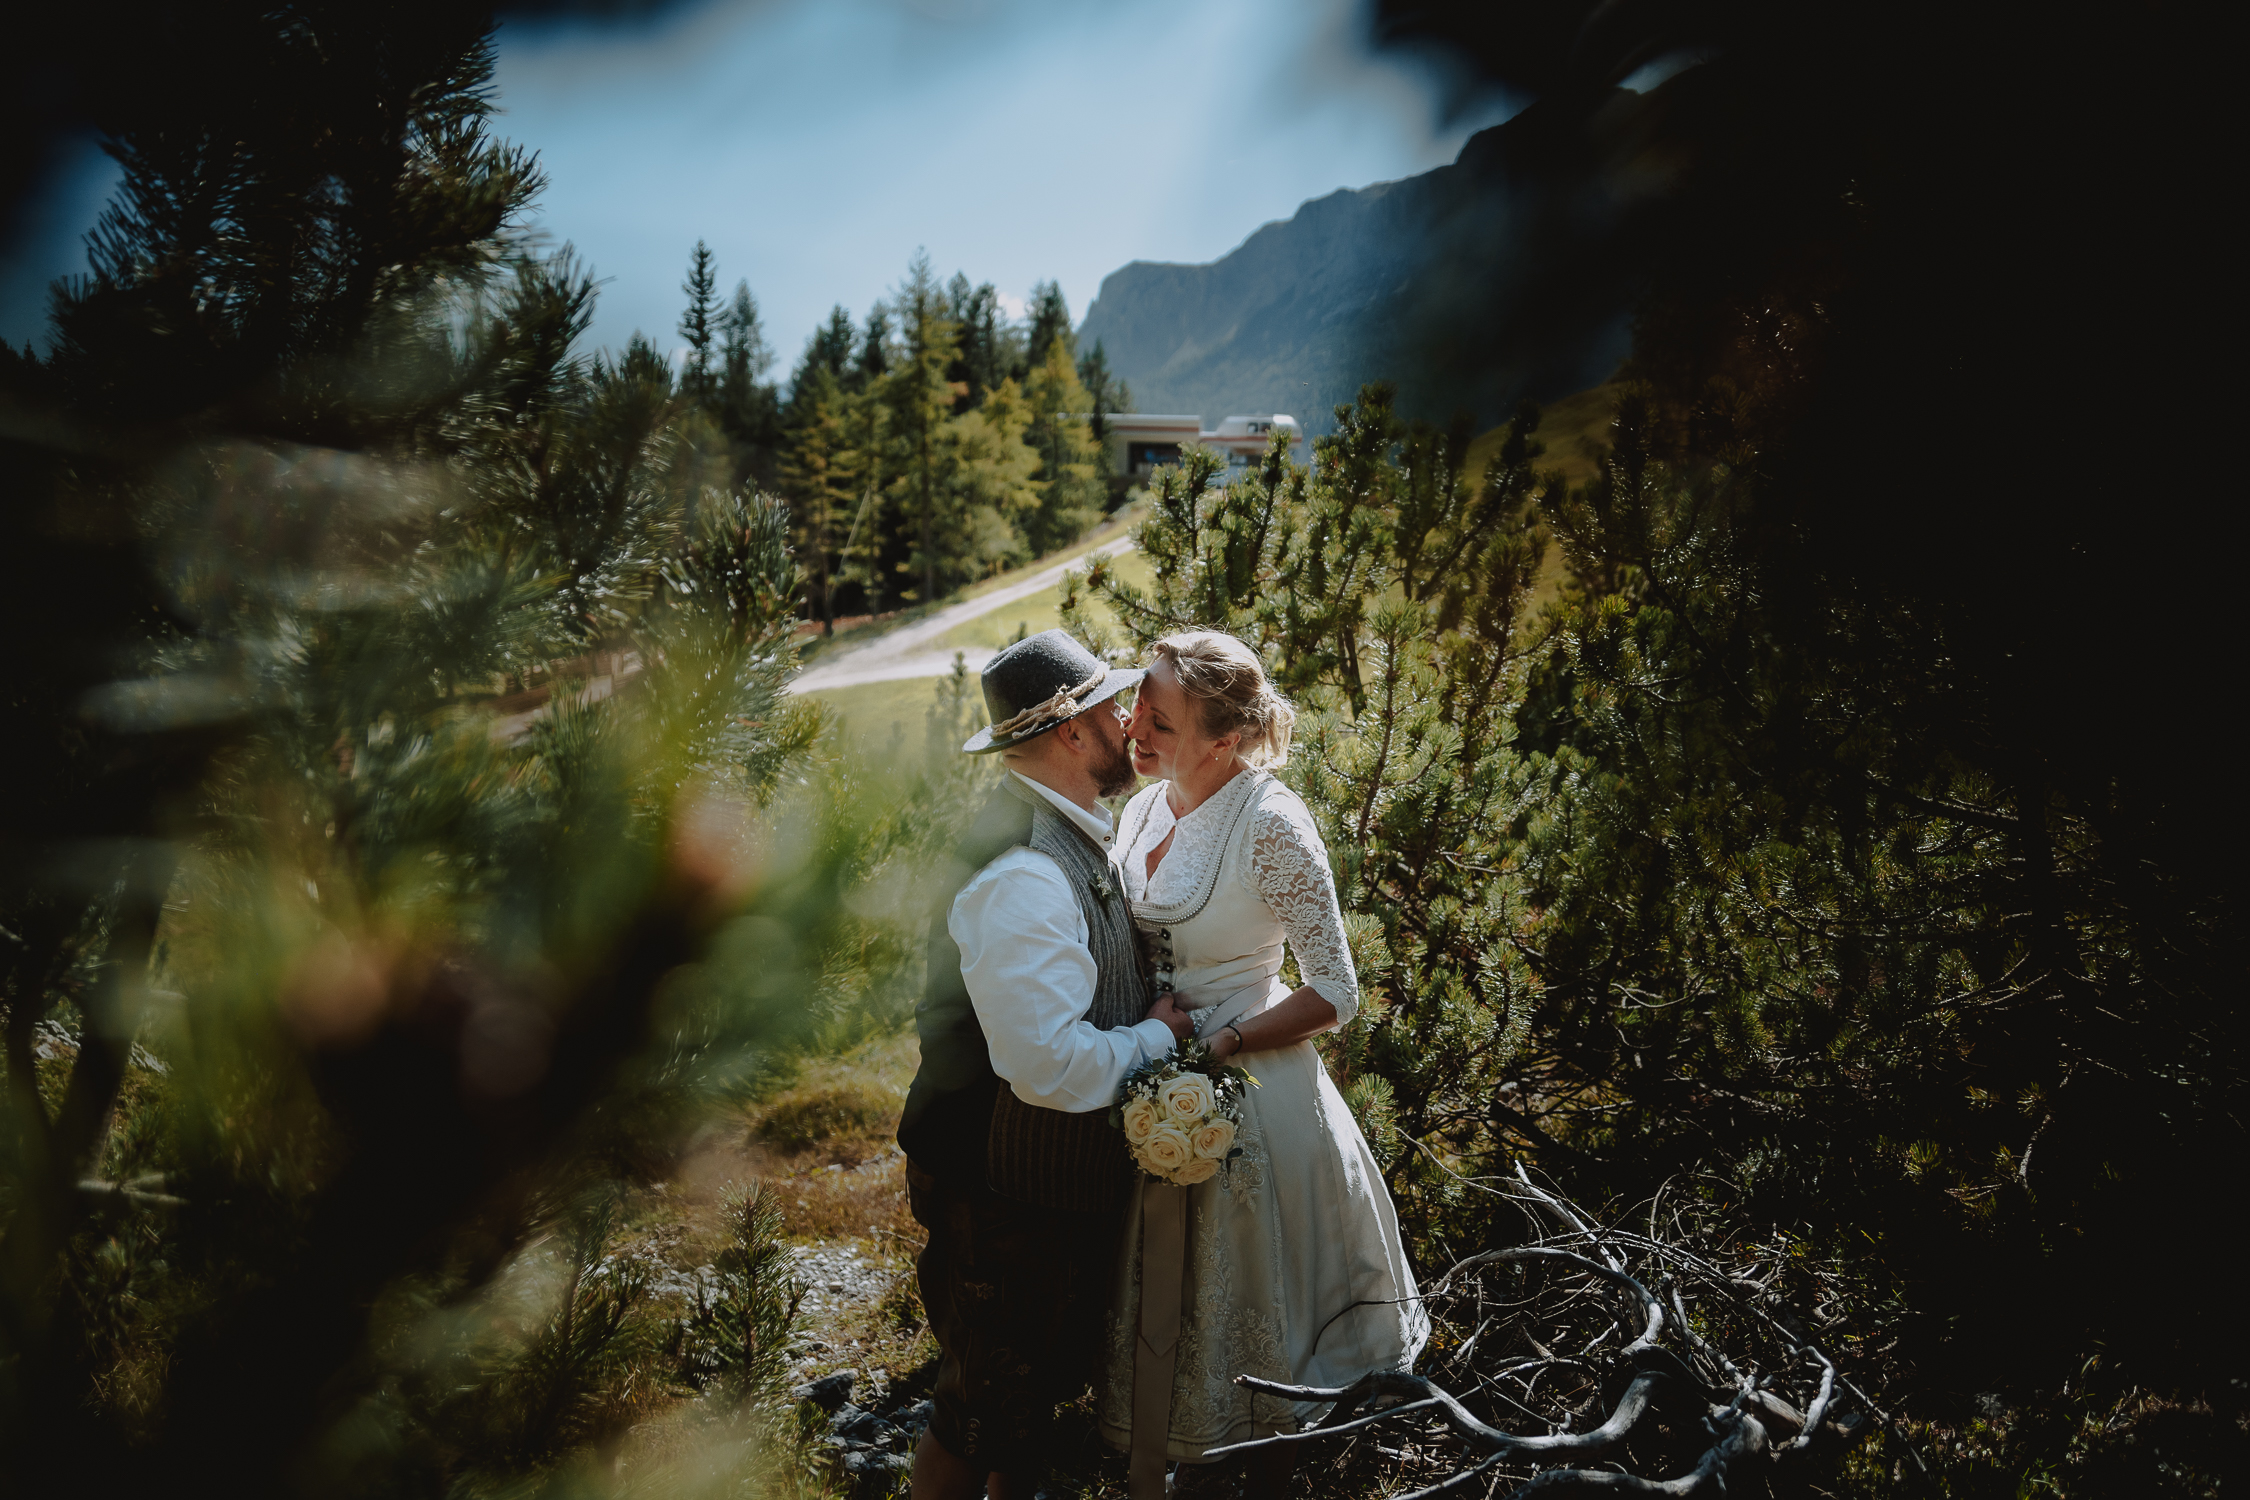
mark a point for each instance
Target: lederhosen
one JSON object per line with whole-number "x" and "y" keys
{"x": 1023, "y": 1205}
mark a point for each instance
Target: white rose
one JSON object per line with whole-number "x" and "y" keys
{"x": 1141, "y": 1117}
{"x": 1166, "y": 1150}
{"x": 1199, "y": 1170}
{"x": 1188, "y": 1098}
{"x": 1214, "y": 1140}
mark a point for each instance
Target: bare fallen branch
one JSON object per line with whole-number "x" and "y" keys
{"x": 1629, "y": 1410}
{"x": 1744, "y": 1439}
{"x": 1653, "y": 1310}
{"x": 1819, "y": 1408}
{"x": 146, "y": 1191}
{"x": 1753, "y": 1402}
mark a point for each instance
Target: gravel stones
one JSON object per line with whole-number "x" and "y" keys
{"x": 871, "y": 1447}
{"x": 837, "y": 1275}
{"x": 831, "y": 1392}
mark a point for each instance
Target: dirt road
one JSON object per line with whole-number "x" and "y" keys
{"x": 909, "y": 650}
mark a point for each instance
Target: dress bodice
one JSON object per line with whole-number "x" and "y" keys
{"x": 1245, "y": 880}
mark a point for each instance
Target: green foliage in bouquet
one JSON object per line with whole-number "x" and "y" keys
{"x": 1192, "y": 1055}
{"x": 1180, "y": 1113}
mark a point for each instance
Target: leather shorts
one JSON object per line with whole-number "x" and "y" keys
{"x": 1016, "y": 1297}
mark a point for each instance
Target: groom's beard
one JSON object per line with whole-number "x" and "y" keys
{"x": 1114, "y": 775}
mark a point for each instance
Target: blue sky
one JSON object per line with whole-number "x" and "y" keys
{"x": 817, "y": 144}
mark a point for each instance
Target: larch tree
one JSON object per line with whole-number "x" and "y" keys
{"x": 874, "y": 345}
{"x": 918, "y": 399}
{"x": 1069, "y": 475}
{"x": 869, "y": 555}
{"x": 987, "y": 476}
{"x": 821, "y": 476}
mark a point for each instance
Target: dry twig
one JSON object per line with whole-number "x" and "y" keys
{"x": 1744, "y": 1391}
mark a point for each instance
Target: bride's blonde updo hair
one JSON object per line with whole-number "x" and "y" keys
{"x": 1227, "y": 684}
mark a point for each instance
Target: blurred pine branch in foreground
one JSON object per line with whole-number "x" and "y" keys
{"x": 397, "y": 751}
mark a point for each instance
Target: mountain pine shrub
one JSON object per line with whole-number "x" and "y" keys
{"x": 1714, "y": 878}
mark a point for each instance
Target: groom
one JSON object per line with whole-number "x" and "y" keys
{"x": 1035, "y": 1011}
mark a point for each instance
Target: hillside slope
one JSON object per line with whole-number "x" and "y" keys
{"x": 1572, "y": 427}
{"x": 1503, "y": 276}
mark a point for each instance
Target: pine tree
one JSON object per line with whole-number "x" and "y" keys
{"x": 986, "y": 349}
{"x": 875, "y": 345}
{"x": 745, "y": 355}
{"x": 701, "y": 324}
{"x": 960, "y": 298}
{"x": 1049, "y": 325}
{"x": 748, "y": 408}
{"x": 1105, "y": 391}
{"x": 823, "y": 460}
{"x": 830, "y": 349}
{"x": 1703, "y": 873}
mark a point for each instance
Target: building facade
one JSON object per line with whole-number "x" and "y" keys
{"x": 1142, "y": 442}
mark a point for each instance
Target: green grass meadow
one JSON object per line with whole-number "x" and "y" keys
{"x": 1029, "y": 616}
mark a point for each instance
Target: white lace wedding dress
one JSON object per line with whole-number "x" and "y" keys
{"x": 1293, "y": 1233}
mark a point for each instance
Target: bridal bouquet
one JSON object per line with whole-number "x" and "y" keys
{"x": 1180, "y": 1114}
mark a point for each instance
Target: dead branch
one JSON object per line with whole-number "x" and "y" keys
{"x": 1743, "y": 1392}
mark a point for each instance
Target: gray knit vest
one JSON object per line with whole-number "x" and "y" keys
{"x": 1044, "y": 1156}
{"x": 1120, "y": 990}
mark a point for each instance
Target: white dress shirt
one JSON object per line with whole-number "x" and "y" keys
{"x": 1030, "y": 973}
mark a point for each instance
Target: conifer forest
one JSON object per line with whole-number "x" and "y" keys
{"x": 1787, "y": 829}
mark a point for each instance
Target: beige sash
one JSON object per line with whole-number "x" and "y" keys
{"x": 1157, "y": 1350}
{"x": 1163, "y": 1272}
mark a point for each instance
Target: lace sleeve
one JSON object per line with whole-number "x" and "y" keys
{"x": 1289, "y": 868}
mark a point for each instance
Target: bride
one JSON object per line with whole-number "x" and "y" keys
{"x": 1293, "y": 1268}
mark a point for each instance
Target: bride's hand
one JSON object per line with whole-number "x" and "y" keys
{"x": 1225, "y": 1044}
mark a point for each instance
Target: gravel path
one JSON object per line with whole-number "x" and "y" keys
{"x": 910, "y": 652}
{"x": 837, "y": 1276}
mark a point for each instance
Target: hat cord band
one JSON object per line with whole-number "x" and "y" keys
{"x": 1052, "y": 705}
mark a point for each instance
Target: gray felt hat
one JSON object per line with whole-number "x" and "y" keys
{"x": 1041, "y": 681}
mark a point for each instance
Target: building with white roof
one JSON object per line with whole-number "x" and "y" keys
{"x": 1140, "y": 442}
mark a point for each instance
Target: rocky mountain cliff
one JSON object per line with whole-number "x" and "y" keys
{"x": 1505, "y": 276}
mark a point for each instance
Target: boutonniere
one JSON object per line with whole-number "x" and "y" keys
{"x": 1103, "y": 890}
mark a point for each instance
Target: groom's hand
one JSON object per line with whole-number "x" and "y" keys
{"x": 1171, "y": 1015}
